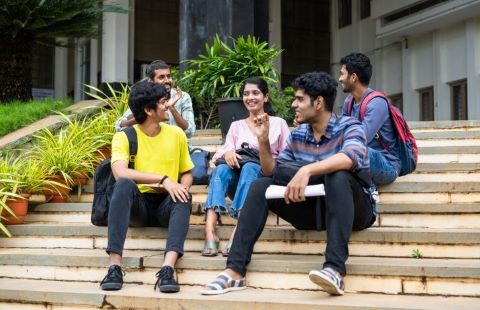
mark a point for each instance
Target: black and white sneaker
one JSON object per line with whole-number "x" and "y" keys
{"x": 113, "y": 281}
{"x": 165, "y": 280}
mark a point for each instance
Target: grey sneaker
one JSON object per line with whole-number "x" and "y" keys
{"x": 329, "y": 280}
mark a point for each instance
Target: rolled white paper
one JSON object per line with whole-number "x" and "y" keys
{"x": 277, "y": 191}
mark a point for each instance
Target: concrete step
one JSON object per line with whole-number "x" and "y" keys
{"x": 455, "y": 277}
{"x": 375, "y": 241}
{"x": 434, "y": 125}
{"x": 390, "y": 215}
{"x": 412, "y": 183}
{"x": 38, "y": 294}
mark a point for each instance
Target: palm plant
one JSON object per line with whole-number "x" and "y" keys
{"x": 220, "y": 72}
{"x": 24, "y": 23}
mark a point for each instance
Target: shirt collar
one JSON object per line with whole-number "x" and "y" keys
{"x": 328, "y": 130}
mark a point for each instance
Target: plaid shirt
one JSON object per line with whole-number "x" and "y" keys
{"x": 342, "y": 135}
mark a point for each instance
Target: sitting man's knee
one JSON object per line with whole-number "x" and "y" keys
{"x": 125, "y": 184}
{"x": 337, "y": 176}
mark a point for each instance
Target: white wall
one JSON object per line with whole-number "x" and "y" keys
{"x": 406, "y": 64}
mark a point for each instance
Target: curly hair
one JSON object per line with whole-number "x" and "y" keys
{"x": 359, "y": 64}
{"x": 144, "y": 95}
{"x": 316, "y": 84}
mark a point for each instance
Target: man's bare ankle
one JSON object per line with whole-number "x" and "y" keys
{"x": 235, "y": 275}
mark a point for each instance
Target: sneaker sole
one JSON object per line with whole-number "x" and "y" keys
{"x": 111, "y": 286}
{"x": 218, "y": 292}
{"x": 169, "y": 288}
{"x": 325, "y": 283}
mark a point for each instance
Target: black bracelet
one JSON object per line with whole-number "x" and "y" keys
{"x": 163, "y": 179}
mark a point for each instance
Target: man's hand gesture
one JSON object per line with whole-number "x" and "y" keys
{"x": 175, "y": 98}
{"x": 176, "y": 190}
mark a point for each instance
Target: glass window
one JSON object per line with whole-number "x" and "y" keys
{"x": 344, "y": 13}
{"x": 364, "y": 9}
{"x": 426, "y": 104}
{"x": 397, "y": 100}
{"x": 458, "y": 99}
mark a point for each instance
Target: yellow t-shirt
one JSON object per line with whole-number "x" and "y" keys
{"x": 166, "y": 153}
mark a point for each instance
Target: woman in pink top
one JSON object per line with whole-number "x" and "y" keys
{"x": 229, "y": 179}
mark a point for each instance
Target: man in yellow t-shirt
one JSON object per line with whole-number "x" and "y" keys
{"x": 155, "y": 193}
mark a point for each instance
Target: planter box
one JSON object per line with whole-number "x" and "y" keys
{"x": 230, "y": 110}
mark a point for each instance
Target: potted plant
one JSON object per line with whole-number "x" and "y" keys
{"x": 218, "y": 75}
{"x": 8, "y": 188}
{"x": 65, "y": 156}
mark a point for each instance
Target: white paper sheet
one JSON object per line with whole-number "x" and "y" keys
{"x": 277, "y": 191}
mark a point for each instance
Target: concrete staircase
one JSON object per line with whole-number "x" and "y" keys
{"x": 57, "y": 260}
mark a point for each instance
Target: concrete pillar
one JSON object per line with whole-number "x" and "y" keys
{"x": 77, "y": 78}
{"x": 131, "y": 40}
{"x": 200, "y": 20}
{"x": 61, "y": 72}
{"x": 115, "y": 44}
{"x": 473, "y": 67}
{"x": 275, "y": 29}
{"x": 93, "y": 63}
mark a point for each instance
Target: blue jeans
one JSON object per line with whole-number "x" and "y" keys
{"x": 381, "y": 170}
{"x": 226, "y": 181}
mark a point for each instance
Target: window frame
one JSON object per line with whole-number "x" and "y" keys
{"x": 426, "y": 90}
{"x": 464, "y": 99}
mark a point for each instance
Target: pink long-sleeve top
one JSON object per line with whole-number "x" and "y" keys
{"x": 239, "y": 133}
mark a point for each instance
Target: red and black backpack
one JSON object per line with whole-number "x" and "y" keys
{"x": 406, "y": 144}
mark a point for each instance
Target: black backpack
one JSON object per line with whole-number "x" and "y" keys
{"x": 103, "y": 181}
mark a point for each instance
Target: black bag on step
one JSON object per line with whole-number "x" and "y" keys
{"x": 103, "y": 182}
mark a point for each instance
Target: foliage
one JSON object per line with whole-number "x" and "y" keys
{"x": 27, "y": 173}
{"x": 116, "y": 104}
{"x": 70, "y": 153}
{"x": 18, "y": 114}
{"x": 416, "y": 253}
{"x": 282, "y": 103}
{"x": 26, "y": 22}
{"x": 5, "y": 194}
{"x": 220, "y": 72}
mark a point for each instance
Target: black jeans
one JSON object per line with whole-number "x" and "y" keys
{"x": 347, "y": 208}
{"x": 129, "y": 206}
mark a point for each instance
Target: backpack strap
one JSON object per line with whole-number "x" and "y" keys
{"x": 367, "y": 99}
{"x": 132, "y": 144}
{"x": 349, "y": 105}
{"x": 363, "y": 108}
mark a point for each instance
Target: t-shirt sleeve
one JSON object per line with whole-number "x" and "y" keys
{"x": 120, "y": 148}
{"x": 376, "y": 114}
{"x": 186, "y": 163}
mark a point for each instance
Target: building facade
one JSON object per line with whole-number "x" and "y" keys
{"x": 425, "y": 53}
